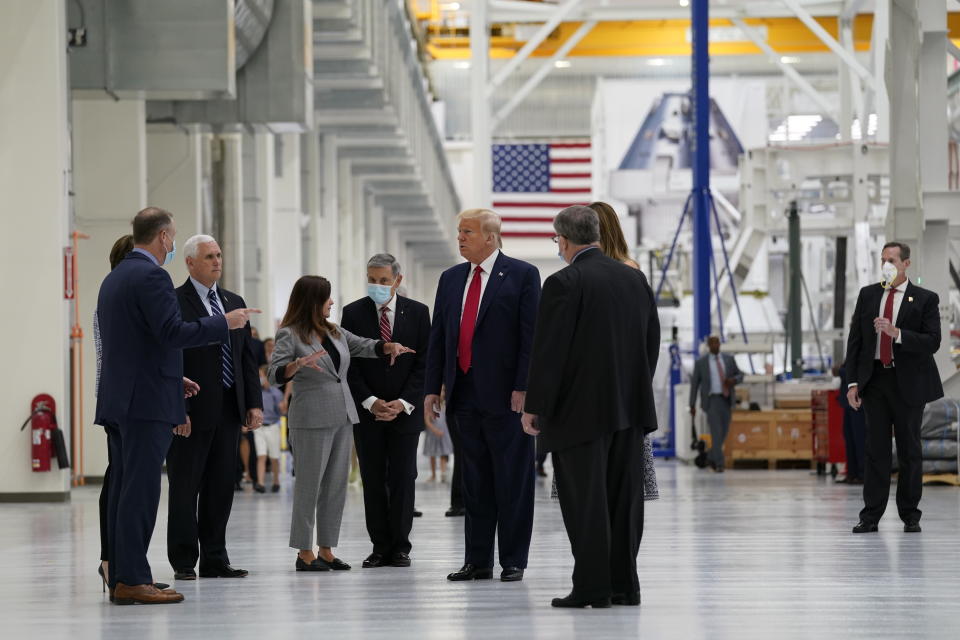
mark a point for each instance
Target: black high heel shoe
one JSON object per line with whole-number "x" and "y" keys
{"x": 158, "y": 585}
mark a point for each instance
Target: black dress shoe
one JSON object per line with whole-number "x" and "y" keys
{"x": 626, "y": 599}
{"x": 373, "y": 561}
{"x": 911, "y": 527}
{"x": 400, "y": 559}
{"x": 574, "y": 602}
{"x": 334, "y": 565}
{"x": 259, "y": 488}
{"x": 854, "y": 480}
{"x": 511, "y": 574}
{"x": 454, "y": 512}
{"x": 275, "y": 488}
{"x": 470, "y": 572}
{"x": 226, "y": 571}
{"x": 310, "y": 566}
{"x": 184, "y": 574}
{"x": 417, "y": 513}
{"x": 865, "y": 527}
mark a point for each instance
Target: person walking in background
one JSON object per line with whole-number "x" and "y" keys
{"x": 480, "y": 345}
{"x": 201, "y": 467}
{"x": 389, "y": 404}
{"x": 590, "y": 401}
{"x": 314, "y": 354}
{"x": 891, "y": 373}
{"x": 121, "y": 248}
{"x": 141, "y": 393}
{"x": 267, "y": 437}
{"x": 715, "y": 377}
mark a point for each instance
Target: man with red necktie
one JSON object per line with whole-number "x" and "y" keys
{"x": 715, "y": 377}
{"x": 892, "y": 373}
{"x": 480, "y": 343}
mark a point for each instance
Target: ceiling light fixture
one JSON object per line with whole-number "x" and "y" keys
{"x": 450, "y": 6}
{"x": 562, "y": 64}
{"x": 657, "y": 62}
{"x": 461, "y": 64}
{"x": 789, "y": 59}
{"x": 684, "y": 3}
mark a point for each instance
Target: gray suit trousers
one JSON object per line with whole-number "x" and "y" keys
{"x": 322, "y": 463}
{"x": 718, "y": 417}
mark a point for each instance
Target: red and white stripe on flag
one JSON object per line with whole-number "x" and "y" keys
{"x": 530, "y": 214}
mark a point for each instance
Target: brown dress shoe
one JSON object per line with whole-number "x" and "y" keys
{"x": 144, "y": 594}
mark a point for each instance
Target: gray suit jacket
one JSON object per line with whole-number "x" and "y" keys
{"x": 700, "y": 379}
{"x": 321, "y": 399}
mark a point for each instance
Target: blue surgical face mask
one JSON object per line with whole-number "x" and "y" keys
{"x": 380, "y": 293}
{"x": 171, "y": 254}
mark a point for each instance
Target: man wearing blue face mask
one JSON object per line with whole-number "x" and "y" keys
{"x": 389, "y": 402}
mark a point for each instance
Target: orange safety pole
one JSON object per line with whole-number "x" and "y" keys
{"x": 76, "y": 362}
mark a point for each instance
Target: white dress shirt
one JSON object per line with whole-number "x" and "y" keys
{"x": 203, "y": 291}
{"x": 487, "y": 266}
{"x": 901, "y": 290}
{"x": 716, "y": 384}
{"x": 391, "y": 308}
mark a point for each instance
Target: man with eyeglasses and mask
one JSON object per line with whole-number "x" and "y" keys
{"x": 388, "y": 402}
{"x": 891, "y": 374}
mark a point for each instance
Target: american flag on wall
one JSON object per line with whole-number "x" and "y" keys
{"x": 532, "y": 182}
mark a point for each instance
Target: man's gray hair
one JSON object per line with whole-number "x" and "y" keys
{"x": 193, "y": 243}
{"x": 384, "y": 260}
{"x": 578, "y": 224}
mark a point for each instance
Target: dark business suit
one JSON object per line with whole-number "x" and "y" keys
{"x": 895, "y": 396}
{"x": 717, "y": 407}
{"x": 594, "y": 355}
{"x": 387, "y": 451}
{"x": 496, "y": 457}
{"x": 140, "y": 399}
{"x": 201, "y": 468}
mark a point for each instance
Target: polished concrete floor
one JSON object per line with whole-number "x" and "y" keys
{"x": 747, "y": 554}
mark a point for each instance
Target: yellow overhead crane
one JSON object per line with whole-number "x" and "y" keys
{"x": 658, "y": 38}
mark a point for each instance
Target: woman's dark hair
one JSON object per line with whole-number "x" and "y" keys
{"x": 121, "y": 248}
{"x": 612, "y": 242}
{"x": 304, "y": 313}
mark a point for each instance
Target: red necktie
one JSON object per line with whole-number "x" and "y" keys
{"x": 468, "y": 322}
{"x": 723, "y": 384}
{"x": 384, "y": 325}
{"x": 886, "y": 342}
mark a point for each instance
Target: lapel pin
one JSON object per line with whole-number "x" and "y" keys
{"x": 910, "y": 299}
{"x": 500, "y": 274}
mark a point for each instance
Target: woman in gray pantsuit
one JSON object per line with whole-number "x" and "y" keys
{"x": 315, "y": 354}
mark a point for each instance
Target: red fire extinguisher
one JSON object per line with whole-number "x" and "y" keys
{"x": 46, "y": 439}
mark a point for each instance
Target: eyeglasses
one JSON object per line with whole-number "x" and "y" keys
{"x": 555, "y": 238}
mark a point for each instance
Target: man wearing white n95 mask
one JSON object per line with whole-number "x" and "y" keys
{"x": 892, "y": 374}
{"x": 389, "y": 403}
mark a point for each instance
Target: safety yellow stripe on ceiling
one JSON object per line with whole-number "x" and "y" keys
{"x": 655, "y": 38}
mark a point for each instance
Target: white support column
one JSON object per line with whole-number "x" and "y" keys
{"x": 877, "y": 101}
{"x": 231, "y": 235}
{"x": 328, "y": 256}
{"x": 110, "y": 183}
{"x": 175, "y": 183}
{"x": 287, "y": 215}
{"x": 258, "y": 166}
{"x": 34, "y": 178}
{"x": 480, "y": 126}
{"x": 313, "y": 192}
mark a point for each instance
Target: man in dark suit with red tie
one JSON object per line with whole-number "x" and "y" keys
{"x": 388, "y": 402}
{"x": 480, "y": 342}
{"x": 892, "y": 374}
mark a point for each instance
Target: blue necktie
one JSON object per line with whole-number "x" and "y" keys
{"x": 226, "y": 355}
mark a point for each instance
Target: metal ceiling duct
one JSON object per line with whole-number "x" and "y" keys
{"x": 252, "y": 19}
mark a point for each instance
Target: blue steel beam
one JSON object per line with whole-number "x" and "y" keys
{"x": 702, "y": 248}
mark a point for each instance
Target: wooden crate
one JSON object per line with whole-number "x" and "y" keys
{"x": 941, "y": 478}
{"x": 781, "y": 434}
